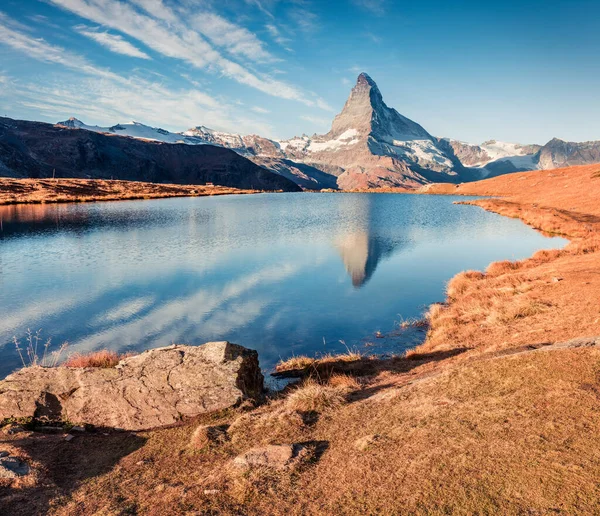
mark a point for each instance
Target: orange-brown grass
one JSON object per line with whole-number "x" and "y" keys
{"x": 304, "y": 363}
{"x": 103, "y": 359}
{"x": 548, "y": 296}
{"x": 459, "y": 283}
{"x": 19, "y": 191}
{"x": 506, "y": 435}
{"x": 313, "y": 396}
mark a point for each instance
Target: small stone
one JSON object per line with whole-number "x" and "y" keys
{"x": 69, "y": 437}
{"x": 212, "y": 491}
{"x": 12, "y": 467}
{"x": 556, "y": 279}
{"x": 367, "y": 442}
{"x": 78, "y": 429}
{"x": 206, "y": 435}
{"x": 273, "y": 457}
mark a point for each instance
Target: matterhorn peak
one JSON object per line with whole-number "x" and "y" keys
{"x": 365, "y": 78}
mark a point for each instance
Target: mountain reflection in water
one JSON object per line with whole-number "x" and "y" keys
{"x": 281, "y": 273}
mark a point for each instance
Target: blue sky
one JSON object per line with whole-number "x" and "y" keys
{"x": 513, "y": 71}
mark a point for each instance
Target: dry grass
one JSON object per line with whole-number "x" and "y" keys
{"x": 299, "y": 363}
{"x": 459, "y": 283}
{"x": 507, "y": 435}
{"x": 19, "y": 191}
{"x": 498, "y": 268}
{"x": 313, "y": 396}
{"x": 102, "y": 359}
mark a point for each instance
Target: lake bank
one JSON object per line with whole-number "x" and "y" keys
{"x": 486, "y": 417}
{"x": 285, "y": 274}
{"x": 40, "y": 191}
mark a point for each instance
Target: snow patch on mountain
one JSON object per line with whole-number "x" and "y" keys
{"x": 131, "y": 129}
{"x": 348, "y": 137}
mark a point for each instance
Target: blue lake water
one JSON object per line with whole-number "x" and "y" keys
{"x": 285, "y": 274}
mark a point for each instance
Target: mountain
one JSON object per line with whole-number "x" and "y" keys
{"x": 558, "y": 154}
{"x": 370, "y": 145}
{"x": 35, "y": 149}
{"x": 494, "y": 158}
{"x": 494, "y": 154}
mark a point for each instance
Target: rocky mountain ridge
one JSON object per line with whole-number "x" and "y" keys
{"x": 371, "y": 145}
{"x": 38, "y": 150}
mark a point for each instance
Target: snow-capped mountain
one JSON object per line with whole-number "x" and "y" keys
{"x": 370, "y": 145}
{"x": 133, "y": 130}
{"x": 494, "y": 157}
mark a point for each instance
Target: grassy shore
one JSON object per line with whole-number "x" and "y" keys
{"x": 36, "y": 191}
{"x": 489, "y": 416}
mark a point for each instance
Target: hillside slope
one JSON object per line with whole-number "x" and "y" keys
{"x": 38, "y": 150}
{"x": 496, "y": 413}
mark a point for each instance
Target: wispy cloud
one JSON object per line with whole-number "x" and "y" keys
{"x": 315, "y": 120}
{"x": 44, "y": 20}
{"x": 376, "y": 7}
{"x": 275, "y": 33}
{"x": 258, "y": 109}
{"x": 106, "y": 96}
{"x": 305, "y": 19}
{"x": 172, "y": 36}
{"x": 261, "y": 6}
{"x": 235, "y": 39}
{"x": 113, "y": 42}
{"x": 41, "y": 50}
{"x": 374, "y": 37}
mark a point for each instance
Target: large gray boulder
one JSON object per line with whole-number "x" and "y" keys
{"x": 156, "y": 388}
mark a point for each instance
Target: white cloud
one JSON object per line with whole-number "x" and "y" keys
{"x": 177, "y": 40}
{"x": 376, "y": 7}
{"x": 346, "y": 81}
{"x": 107, "y": 97}
{"x": 106, "y": 102}
{"x": 315, "y": 120}
{"x": 235, "y": 39}
{"x": 304, "y": 19}
{"x": 39, "y": 49}
{"x": 113, "y": 42}
{"x": 278, "y": 37}
{"x": 258, "y": 109}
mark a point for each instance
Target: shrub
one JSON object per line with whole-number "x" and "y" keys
{"x": 499, "y": 268}
{"x": 102, "y": 359}
{"x": 461, "y": 282}
{"x": 312, "y": 396}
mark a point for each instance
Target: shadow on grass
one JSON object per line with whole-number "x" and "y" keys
{"x": 366, "y": 366}
{"x": 64, "y": 465}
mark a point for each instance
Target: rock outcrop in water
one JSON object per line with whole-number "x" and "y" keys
{"x": 156, "y": 388}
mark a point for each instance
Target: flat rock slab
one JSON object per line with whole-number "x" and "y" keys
{"x": 156, "y": 388}
{"x": 274, "y": 456}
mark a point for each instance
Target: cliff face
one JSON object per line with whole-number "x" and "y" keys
{"x": 558, "y": 153}
{"x": 35, "y": 149}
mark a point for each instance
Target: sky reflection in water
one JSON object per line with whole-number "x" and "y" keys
{"x": 281, "y": 273}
